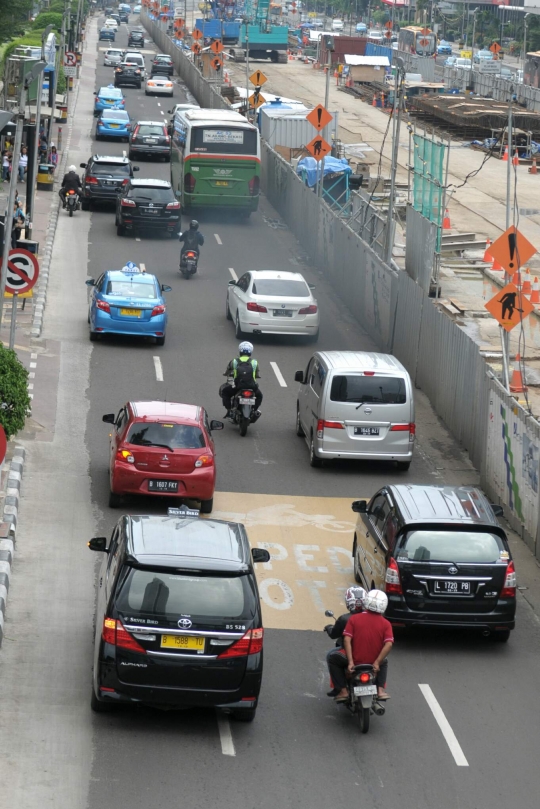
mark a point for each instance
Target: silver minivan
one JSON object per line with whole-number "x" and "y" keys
{"x": 358, "y": 405}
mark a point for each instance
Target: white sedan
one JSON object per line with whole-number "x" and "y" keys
{"x": 113, "y": 57}
{"x": 159, "y": 85}
{"x": 111, "y": 24}
{"x": 272, "y": 302}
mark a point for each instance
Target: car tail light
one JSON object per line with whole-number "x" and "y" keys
{"x": 136, "y": 132}
{"x": 71, "y": 191}
{"x": 329, "y": 425}
{"x": 369, "y": 373}
{"x": 189, "y": 183}
{"x": 173, "y": 206}
{"x": 116, "y": 634}
{"x": 253, "y": 186}
{"x": 250, "y": 644}
{"x": 510, "y": 583}
{"x": 125, "y": 455}
{"x": 404, "y": 428}
{"x": 108, "y": 633}
{"x": 160, "y": 309}
{"x": 364, "y": 677}
{"x": 204, "y": 460}
{"x": 256, "y": 307}
{"x": 128, "y": 203}
{"x": 118, "y": 70}
{"x": 393, "y": 582}
{"x": 308, "y": 310}
{"x": 91, "y": 181}
{"x": 104, "y": 306}
{"x": 137, "y": 71}
{"x": 190, "y": 254}
{"x": 151, "y": 84}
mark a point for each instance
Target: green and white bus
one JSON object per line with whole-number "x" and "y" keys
{"x": 215, "y": 160}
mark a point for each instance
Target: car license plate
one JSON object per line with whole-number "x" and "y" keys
{"x": 283, "y": 313}
{"x": 150, "y": 140}
{"x": 366, "y": 431}
{"x": 109, "y": 182}
{"x": 364, "y": 690}
{"x": 182, "y": 642}
{"x": 114, "y": 126}
{"x": 222, "y": 183}
{"x": 131, "y": 312}
{"x": 452, "y": 587}
{"x": 162, "y": 485}
{"x": 246, "y": 401}
{"x": 152, "y": 211}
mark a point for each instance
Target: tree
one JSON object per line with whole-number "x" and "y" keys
{"x": 14, "y": 398}
{"x": 48, "y": 18}
{"x": 13, "y": 18}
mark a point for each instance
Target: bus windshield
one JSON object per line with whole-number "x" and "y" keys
{"x": 220, "y": 140}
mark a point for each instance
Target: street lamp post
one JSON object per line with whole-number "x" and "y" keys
{"x": 526, "y": 21}
{"x": 34, "y": 157}
{"x": 476, "y": 10}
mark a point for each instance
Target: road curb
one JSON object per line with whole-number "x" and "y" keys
{"x": 8, "y": 528}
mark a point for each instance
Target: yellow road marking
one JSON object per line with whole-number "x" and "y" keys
{"x": 310, "y": 542}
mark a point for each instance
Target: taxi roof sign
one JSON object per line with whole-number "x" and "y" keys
{"x": 130, "y": 267}
{"x": 512, "y": 249}
{"x": 509, "y": 306}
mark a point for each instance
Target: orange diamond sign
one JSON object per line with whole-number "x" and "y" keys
{"x": 318, "y": 147}
{"x": 319, "y": 117}
{"x": 512, "y": 250}
{"x": 509, "y": 307}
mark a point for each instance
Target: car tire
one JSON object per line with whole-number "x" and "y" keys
{"x": 207, "y": 506}
{"x": 85, "y": 204}
{"x": 313, "y": 338}
{"x": 244, "y": 716}
{"x": 502, "y": 636}
{"x": 403, "y": 466}
{"x": 131, "y": 155}
{"x": 160, "y": 341}
{"x": 314, "y": 460}
{"x": 146, "y": 93}
{"x": 120, "y": 230}
{"x": 238, "y": 331}
{"x": 94, "y": 336}
{"x": 97, "y": 706}
{"x": 227, "y": 310}
{"x": 299, "y": 429}
{"x": 115, "y": 500}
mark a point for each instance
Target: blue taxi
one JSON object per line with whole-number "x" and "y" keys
{"x": 128, "y": 301}
{"x": 113, "y": 124}
{"x": 109, "y": 98}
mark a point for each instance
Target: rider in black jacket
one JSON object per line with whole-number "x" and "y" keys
{"x": 354, "y": 599}
{"x": 192, "y": 239}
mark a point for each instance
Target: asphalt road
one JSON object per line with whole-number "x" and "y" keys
{"x": 302, "y": 751}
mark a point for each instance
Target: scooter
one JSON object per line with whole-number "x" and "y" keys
{"x": 243, "y": 410}
{"x": 72, "y": 201}
{"x": 188, "y": 263}
{"x": 362, "y": 700}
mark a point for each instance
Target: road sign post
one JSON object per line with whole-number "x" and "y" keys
{"x": 319, "y": 117}
{"x": 21, "y": 276}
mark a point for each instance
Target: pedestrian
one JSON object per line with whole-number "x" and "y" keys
{"x": 43, "y": 146}
{"x": 5, "y": 165}
{"x": 23, "y": 163}
{"x": 19, "y": 221}
{"x": 53, "y": 158}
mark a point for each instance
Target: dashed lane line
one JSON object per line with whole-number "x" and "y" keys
{"x": 218, "y": 240}
{"x": 278, "y": 374}
{"x": 233, "y": 274}
{"x": 158, "y": 369}
{"x": 443, "y": 723}
{"x": 225, "y": 736}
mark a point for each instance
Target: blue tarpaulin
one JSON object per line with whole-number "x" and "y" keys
{"x": 307, "y": 168}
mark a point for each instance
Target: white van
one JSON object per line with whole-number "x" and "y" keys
{"x": 357, "y": 405}
{"x": 337, "y": 25}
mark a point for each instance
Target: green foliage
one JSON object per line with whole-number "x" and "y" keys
{"x": 31, "y": 38}
{"x": 48, "y": 18}
{"x": 13, "y": 18}
{"x": 14, "y": 398}
{"x": 61, "y": 86}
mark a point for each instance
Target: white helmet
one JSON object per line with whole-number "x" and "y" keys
{"x": 354, "y": 598}
{"x": 245, "y": 348}
{"x": 72, "y": 168}
{"x": 376, "y": 601}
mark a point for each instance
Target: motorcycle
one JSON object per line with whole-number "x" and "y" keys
{"x": 188, "y": 263}
{"x": 243, "y": 410}
{"x": 362, "y": 688}
{"x": 72, "y": 201}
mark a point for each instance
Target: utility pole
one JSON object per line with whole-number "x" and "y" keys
{"x": 27, "y": 80}
{"x": 526, "y": 21}
{"x": 396, "y": 115}
{"x": 34, "y": 157}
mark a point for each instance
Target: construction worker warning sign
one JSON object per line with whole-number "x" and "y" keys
{"x": 318, "y": 147}
{"x": 512, "y": 250}
{"x": 509, "y": 307}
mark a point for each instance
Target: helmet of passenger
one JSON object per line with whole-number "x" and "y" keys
{"x": 354, "y": 598}
{"x": 376, "y": 601}
{"x": 73, "y": 168}
{"x": 194, "y": 225}
{"x": 245, "y": 348}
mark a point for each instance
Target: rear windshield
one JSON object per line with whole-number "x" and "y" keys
{"x": 151, "y": 194}
{"x": 128, "y": 290}
{"x": 110, "y": 92}
{"x": 151, "y": 129}
{"x": 460, "y": 547}
{"x": 110, "y": 169}
{"x": 281, "y": 288}
{"x": 174, "y": 436}
{"x": 166, "y": 59}
{"x": 221, "y": 140}
{"x": 373, "y": 389}
{"x": 115, "y": 115}
{"x": 167, "y": 595}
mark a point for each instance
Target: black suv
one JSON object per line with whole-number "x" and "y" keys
{"x": 127, "y": 73}
{"x": 440, "y": 555}
{"x": 150, "y": 138}
{"x": 124, "y": 16}
{"x": 136, "y": 39}
{"x": 103, "y": 176}
{"x": 148, "y": 204}
{"x": 177, "y": 627}
{"x": 162, "y": 65}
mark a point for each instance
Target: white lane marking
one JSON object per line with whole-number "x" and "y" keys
{"x": 158, "y": 368}
{"x": 32, "y": 375}
{"x": 225, "y": 736}
{"x": 33, "y": 365}
{"x": 30, "y": 386}
{"x": 444, "y": 724}
{"x": 33, "y": 356}
{"x": 159, "y": 105}
{"x": 161, "y": 111}
{"x": 137, "y": 239}
{"x": 218, "y": 240}
{"x": 278, "y": 374}
{"x": 142, "y": 267}
{"x": 233, "y": 274}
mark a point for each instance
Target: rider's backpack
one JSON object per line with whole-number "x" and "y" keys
{"x": 244, "y": 374}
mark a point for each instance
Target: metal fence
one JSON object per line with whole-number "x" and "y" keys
{"x": 487, "y": 84}
{"x": 420, "y": 247}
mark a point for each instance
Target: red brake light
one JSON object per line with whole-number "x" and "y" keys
{"x": 173, "y": 205}
{"x": 364, "y": 677}
{"x": 204, "y": 460}
{"x": 403, "y": 428}
{"x": 189, "y": 183}
{"x": 253, "y": 186}
{"x": 114, "y": 632}
{"x": 369, "y": 373}
{"x": 160, "y": 309}
{"x": 393, "y": 582}
{"x": 103, "y": 305}
{"x": 190, "y": 254}
{"x": 251, "y": 643}
{"x": 128, "y": 203}
{"x": 71, "y": 191}
{"x": 510, "y": 582}
{"x": 108, "y": 633}
{"x": 91, "y": 181}
{"x": 247, "y": 393}
{"x": 256, "y": 307}
{"x": 330, "y": 425}
{"x": 308, "y": 310}
{"x": 125, "y": 455}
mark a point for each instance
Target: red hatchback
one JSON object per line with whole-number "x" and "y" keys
{"x": 164, "y": 449}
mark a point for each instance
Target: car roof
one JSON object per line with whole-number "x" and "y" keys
{"x": 284, "y": 275}
{"x": 151, "y": 184}
{"x": 162, "y": 56}
{"x": 109, "y": 91}
{"x": 201, "y": 115}
{"x": 444, "y": 504}
{"x": 188, "y": 543}
{"x": 171, "y": 410}
{"x": 151, "y": 123}
{"x": 361, "y": 360}
{"x": 101, "y": 158}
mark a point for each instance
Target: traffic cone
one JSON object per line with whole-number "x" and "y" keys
{"x": 535, "y": 294}
{"x": 487, "y": 257}
{"x": 446, "y": 221}
{"x": 496, "y": 267}
{"x": 517, "y": 384}
{"x": 290, "y": 56}
{"x": 505, "y": 155}
{"x": 515, "y": 159}
{"x": 374, "y": 102}
{"x": 516, "y": 279}
{"x": 533, "y": 169}
{"x": 527, "y": 288}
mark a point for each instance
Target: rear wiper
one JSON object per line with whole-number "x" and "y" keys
{"x": 151, "y": 444}
{"x": 137, "y": 198}
{"x": 361, "y": 403}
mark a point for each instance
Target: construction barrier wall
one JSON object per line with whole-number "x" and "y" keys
{"x": 420, "y": 249}
{"x": 487, "y": 84}
{"x": 396, "y": 312}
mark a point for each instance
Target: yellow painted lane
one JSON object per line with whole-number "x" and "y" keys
{"x": 310, "y": 543}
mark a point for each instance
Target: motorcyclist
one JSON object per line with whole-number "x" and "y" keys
{"x": 245, "y": 371}
{"x": 70, "y": 182}
{"x": 192, "y": 239}
{"x": 367, "y": 638}
{"x": 354, "y": 600}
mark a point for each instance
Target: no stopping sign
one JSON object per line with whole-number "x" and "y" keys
{"x": 22, "y": 272}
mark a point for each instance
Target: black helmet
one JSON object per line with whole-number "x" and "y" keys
{"x": 194, "y": 225}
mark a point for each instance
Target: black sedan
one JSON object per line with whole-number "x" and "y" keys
{"x": 148, "y": 204}
{"x": 162, "y": 64}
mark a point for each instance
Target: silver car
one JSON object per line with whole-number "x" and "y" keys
{"x": 159, "y": 85}
{"x": 112, "y": 57}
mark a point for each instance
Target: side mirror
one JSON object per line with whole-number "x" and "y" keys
{"x": 135, "y": 168}
{"x": 311, "y": 286}
{"x": 231, "y": 284}
{"x": 359, "y": 506}
{"x": 83, "y": 165}
{"x": 98, "y": 544}
{"x": 299, "y": 377}
{"x": 497, "y": 510}
{"x": 329, "y": 613}
{"x": 170, "y": 112}
{"x": 90, "y": 282}
{"x": 108, "y": 418}
{"x": 166, "y": 288}
{"x": 260, "y": 555}
{"x": 216, "y": 425}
